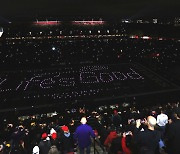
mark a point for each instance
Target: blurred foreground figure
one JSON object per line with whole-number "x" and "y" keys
{"x": 147, "y": 140}
{"x": 173, "y": 134}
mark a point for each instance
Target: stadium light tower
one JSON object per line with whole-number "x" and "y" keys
{"x": 1, "y": 31}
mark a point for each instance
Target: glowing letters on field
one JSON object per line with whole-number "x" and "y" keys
{"x": 88, "y": 75}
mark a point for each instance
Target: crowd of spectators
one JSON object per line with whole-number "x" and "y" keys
{"x": 108, "y": 43}
{"x": 158, "y": 54}
{"x": 117, "y": 128}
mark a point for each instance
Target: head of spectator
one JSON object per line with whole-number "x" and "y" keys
{"x": 65, "y": 129}
{"x": 153, "y": 113}
{"x": 83, "y": 120}
{"x": 44, "y": 136}
{"x": 112, "y": 128}
{"x": 151, "y": 122}
{"x": 54, "y": 136}
{"x": 177, "y": 113}
{"x": 162, "y": 111}
{"x": 8, "y": 147}
{"x": 173, "y": 118}
{"x": 115, "y": 112}
{"x": 131, "y": 121}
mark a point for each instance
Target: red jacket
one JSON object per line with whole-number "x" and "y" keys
{"x": 110, "y": 137}
{"x": 126, "y": 150}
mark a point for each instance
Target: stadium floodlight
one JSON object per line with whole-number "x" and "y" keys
{"x": 1, "y": 31}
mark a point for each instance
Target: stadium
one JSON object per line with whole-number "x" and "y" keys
{"x": 111, "y": 71}
{"x": 57, "y": 62}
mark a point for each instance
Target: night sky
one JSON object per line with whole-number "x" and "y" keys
{"x": 114, "y": 8}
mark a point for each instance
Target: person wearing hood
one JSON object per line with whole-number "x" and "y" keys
{"x": 67, "y": 141}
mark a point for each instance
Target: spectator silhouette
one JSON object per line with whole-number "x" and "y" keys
{"x": 44, "y": 145}
{"x": 173, "y": 134}
{"x": 67, "y": 142}
{"x": 147, "y": 140}
{"x": 83, "y": 136}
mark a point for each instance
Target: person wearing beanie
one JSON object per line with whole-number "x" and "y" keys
{"x": 67, "y": 141}
{"x": 54, "y": 136}
{"x": 44, "y": 144}
{"x": 54, "y": 141}
{"x": 44, "y": 136}
{"x": 83, "y": 136}
{"x": 65, "y": 128}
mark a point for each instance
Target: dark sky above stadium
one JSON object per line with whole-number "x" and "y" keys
{"x": 114, "y": 8}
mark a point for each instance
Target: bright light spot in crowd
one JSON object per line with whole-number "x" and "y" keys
{"x": 146, "y": 37}
{"x": 134, "y": 36}
{"x": 53, "y": 48}
{"x": 1, "y": 31}
{"x": 126, "y": 21}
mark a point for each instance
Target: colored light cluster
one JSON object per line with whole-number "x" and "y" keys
{"x": 47, "y": 23}
{"x": 88, "y": 23}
